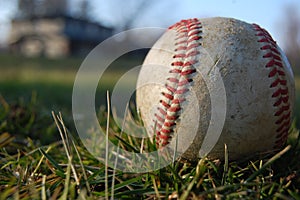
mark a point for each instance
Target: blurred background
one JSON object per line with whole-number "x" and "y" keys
{"x": 43, "y": 43}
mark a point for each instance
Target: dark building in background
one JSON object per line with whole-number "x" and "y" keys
{"x": 43, "y": 28}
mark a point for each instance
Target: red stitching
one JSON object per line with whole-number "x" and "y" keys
{"x": 162, "y": 111}
{"x": 281, "y": 94}
{"x": 282, "y": 109}
{"x": 170, "y": 124}
{"x": 168, "y": 96}
{"x": 186, "y": 44}
{"x": 281, "y": 100}
{"x": 283, "y": 126}
{"x": 178, "y": 101}
{"x": 196, "y": 32}
{"x": 184, "y": 82}
{"x": 187, "y": 72}
{"x": 194, "y": 38}
{"x": 181, "y": 91}
{"x": 165, "y": 132}
{"x": 178, "y": 63}
{"x": 174, "y": 109}
{"x": 172, "y": 118}
{"x": 171, "y": 89}
{"x": 180, "y": 42}
{"x": 177, "y": 71}
{"x": 283, "y": 118}
{"x": 275, "y": 71}
{"x": 189, "y": 63}
{"x": 282, "y": 133}
{"x": 269, "y": 47}
{"x": 277, "y": 82}
{"x": 273, "y": 62}
{"x": 164, "y": 104}
{"x": 157, "y": 125}
{"x": 193, "y": 53}
{"x": 159, "y": 118}
{"x": 179, "y": 56}
{"x": 173, "y": 80}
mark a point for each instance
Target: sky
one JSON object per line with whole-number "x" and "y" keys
{"x": 163, "y": 13}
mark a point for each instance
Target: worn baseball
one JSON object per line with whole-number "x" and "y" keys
{"x": 216, "y": 81}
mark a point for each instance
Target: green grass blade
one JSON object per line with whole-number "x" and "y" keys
{"x": 52, "y": 161}
{"x": 268, "y": 163}
{"x": 120, "y": 186}
{"x": 67, "y": 182}
{"x": 199, "y": 171}
{"x": 43, "y": 191}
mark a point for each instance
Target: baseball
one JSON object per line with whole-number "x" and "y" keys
{"x": 216, "y": 81}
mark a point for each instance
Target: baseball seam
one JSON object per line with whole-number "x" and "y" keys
{"x": 278, "y": 76}
{"x": 188, "y": 34}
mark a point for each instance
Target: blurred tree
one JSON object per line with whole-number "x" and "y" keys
{"x": 128, "y": 12}
{"x": 26, "y": 8}
{"x": 291, "y": 36}
{"x": 33, "y": 8}
{"x": 54, "y": 7}
{"x": 85, "y": 8}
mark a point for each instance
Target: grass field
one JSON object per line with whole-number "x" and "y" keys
{"x": 37, "y": 162}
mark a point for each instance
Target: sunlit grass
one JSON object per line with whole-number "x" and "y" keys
{"x": 42, "y": 158}
{"x": 66, "y": 170}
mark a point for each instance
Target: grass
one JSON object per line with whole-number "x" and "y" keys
{"x": 41, "y": 156}
{"x": 66, "y": 170}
